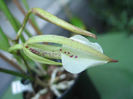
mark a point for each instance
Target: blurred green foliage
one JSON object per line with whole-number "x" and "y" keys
{"x": 115, "y": 81}
{"x": 8, "y": 94}
{"x": 4, "y": 44}
{"x": 117, "y": 14}
{"x": 77, "y": 22}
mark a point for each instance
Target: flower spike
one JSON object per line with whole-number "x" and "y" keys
{"x": 76, "y": 53}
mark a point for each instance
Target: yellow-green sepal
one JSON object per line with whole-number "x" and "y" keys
{"x": 39, "y": 58}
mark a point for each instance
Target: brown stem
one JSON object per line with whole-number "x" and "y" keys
{"x": 12, "y": 63}
{"x": 24, "y": 13}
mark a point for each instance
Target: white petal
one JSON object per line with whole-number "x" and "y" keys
{"x": 80, "y": 63}
{"x": 84, "y": 40}
{"x": 77, "y": 65}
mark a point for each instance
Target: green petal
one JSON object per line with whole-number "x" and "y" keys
{"x": 45, "y": 47}
{"x": 84, "y": 40}
{"x": 59, "y": 22}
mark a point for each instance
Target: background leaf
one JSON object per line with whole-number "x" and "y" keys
{"x": 13, "y": 21}
{"x": 115, "y": 80}
{"x": 4, "y": 44}
{"x": 8, "y": 15}
{"x": 77, "y": 22}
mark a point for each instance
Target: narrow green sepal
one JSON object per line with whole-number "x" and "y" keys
{"x": 15, "y": 47}
{"x": 39, "y": 58}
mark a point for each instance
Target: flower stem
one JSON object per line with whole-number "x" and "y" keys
{"x": 23, "y": 25}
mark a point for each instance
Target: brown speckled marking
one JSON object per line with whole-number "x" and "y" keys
{"x": 26, "y": 46}
{"x": 60, "y": 49}
{"x": 71, "y": 56}
{"x": 34, "y": 51}
{"x": 76, "y": 56}
{"x": 68, "y": 52}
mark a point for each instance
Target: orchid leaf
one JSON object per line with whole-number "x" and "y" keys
{"x": 115, "y": 80}
{"x": 4, "y": 43}
{"x": 13, "y": 21}
{"x": 9, "y": 15}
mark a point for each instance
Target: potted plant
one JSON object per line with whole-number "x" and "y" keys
{"x": 51, "y": 62}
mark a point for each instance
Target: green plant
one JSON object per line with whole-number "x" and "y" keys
{"x": 76, "y": 53}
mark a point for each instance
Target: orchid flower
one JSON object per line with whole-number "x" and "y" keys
{"x": 76, "y": 53}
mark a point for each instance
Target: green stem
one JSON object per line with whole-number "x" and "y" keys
{"x": 25, "y": 3}
{"x": 25, "y": 30}
{"x": 15, "y": 73}
{"x": 23, "y": 25}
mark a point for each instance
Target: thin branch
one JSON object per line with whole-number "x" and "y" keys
{"x": 24, "y": 13}
{"x": 12, "y": 63}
